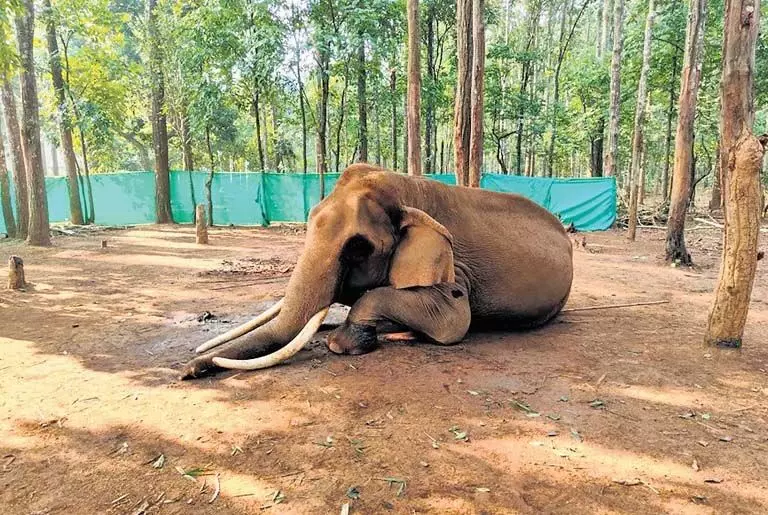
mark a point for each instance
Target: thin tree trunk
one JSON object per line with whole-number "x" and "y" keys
{"x": 255, "y": 112}
{"x": 54, "y": 160}
{"x": 303, "y": 108}
{"x": 38, "y": 232}
{"x": 186, "y": 144}
{"x": 741, "y": 165}
{"x": 429, "y": 109}
{"x": 90, "y": 217}
{"x": 378, "y": 133}
{"x": 604, "y": 31}
{"x": 159, "y": 124}
{"x": 681, "y": 180}
{"x": 65, "y": 121}
{"x": 5, "y": 194}
{"x": 362, "y": 102}
{"x": 322, "y": 120}
{"x": 716, "y": 202}
{"x": 477, "y": 94}
{"x": 393, "y": 93}
{"x": 413, "y": 111}
{"x": 17, "y": 157}
{"x": 668, "y": 140}
{"x": 611, "y": 158}
{"x": 209, "y": 179}
{"x": 637, "y": 133}
{"x": 340, "y": 126}
{"x": 462, "y": 102}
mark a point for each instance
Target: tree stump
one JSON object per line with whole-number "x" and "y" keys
{"x": 16, "y": 273}
{"x": 201, "y": 226}
{"x": 742, "y": 229}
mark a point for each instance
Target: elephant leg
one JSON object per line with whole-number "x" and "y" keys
{"x": 440, "y": 312}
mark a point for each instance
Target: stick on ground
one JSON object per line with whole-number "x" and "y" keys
{"x": 614, "y": 306}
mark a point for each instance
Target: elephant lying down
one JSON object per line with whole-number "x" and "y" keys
{"x": 408, "y": 254}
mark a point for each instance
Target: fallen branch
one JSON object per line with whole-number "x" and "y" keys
{"x": 613, "y": 306}
{"x": 218, "y": 489}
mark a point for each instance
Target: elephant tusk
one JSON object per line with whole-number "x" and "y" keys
{"x": 281, "y": 355}
{"x": 243, "y": 329}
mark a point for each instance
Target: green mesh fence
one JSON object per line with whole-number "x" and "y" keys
{"x": 128, "y": 198}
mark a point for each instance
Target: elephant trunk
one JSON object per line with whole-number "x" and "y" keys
{"x": 310, "y": 291}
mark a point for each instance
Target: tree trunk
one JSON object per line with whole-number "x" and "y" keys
{"x": 606, "y": 22}
{"x": 414, "y": 89}
{"x": 65, "y": 121}
{"x": 716, "y": 202}
{"x": 378, "y": 133}
{"x": 16, "y": 279}
{"x": 163, "y": 212}
{"x": 186, "y": 144}
{"x": 303, "y": 110}
{"x": 596, "y": 150}
{"x": 637, "y": 133}
{"x": 681, "y": 180}
{"x": 429, "y": 110}
{"x": 5, "y": 194}
{"x": 462, "y": 102}
{"x": 613, "y": 126}
{"x": 209, "y": 179}
{"x": 322, "y": 120}
{"x": 255, "y": 112}
{"x": 362, "y": 102}
{"x": 91, "y": 216}
{"x": 477, "y": 94}
{"x": 340, "y": 126}
{"x": 17, "y": 156}
{"x": 38, "y": 232}
{"x": 741, "y": 162}
{"x": 668, "y": 140}
{"x": 201, "y": 227}
{"x": 393, "y": 93}
{"x": 55, "y": 160}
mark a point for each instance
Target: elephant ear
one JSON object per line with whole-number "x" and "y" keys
{"x": 411, "y": 216}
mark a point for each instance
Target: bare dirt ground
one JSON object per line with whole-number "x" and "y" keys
{"x": 605, "y": 411}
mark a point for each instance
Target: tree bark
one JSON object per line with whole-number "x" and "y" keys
{"x": 613, "y": 117}
{"x": 637, "y": 133}
{"x": 38, "y": 232}
{"x": 186, "y": 144}
{"x": 340, "y": 126}
{"x": 681, "y": 180}
{"x": 18, "y": 158}
{"x": 741, "y": 162}
{"x": 16, "y": 280}
{"x": 393, "y": 93}
{"x": 716, "y": 201}
{"x": 477, "y": 94}
{"x": 322, "y": 120}
{"x": 668, "y": 140}
{"x": 163, "y": 212}
{"x": 604, "y": 32}
{"x": 462, "y": 102}
{"x": 362, "y": 102}
{"x": 211, "y": 173}
{"x": 201, "y": 226}
{"x": 414, "y": 89}
{"x": 65, "y": 120}
{"x": 255, "y": 112}
{"x": 5, "y": 194}
{"x": 526, "y": 73}
{"x": 429, "y": 109}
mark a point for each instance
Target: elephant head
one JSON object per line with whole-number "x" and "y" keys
{"x": 352, "y": 236}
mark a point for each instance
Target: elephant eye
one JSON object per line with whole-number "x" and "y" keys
{"x": 356, "y": 250}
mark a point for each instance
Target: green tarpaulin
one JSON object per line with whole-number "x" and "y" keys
{"x": 128, "y": 198}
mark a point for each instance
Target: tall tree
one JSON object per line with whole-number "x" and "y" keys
{"x": 5, "y": 193}
{"x": 477, "y": 94}
{"x": 362, "y": 101}
{"x": 63, "y": 114}
{"x": 741, "y": 161}
{"x": 17, "y": 157}
{"x": 393, "y": 98}
{"x": 565, "y": 41}
{"x": 611, "y": 158}
{"x": 414, "y": 89}
{"x": 462, "y": 101}
{"x": 690, "y": 79}
{"x": 163, "y": 213}
{"x": 668, "y": 139}
{"x": 38, "y": 232}
{"x": 636, "y": 165}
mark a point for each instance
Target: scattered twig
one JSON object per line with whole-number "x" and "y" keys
{"x": 217, "y": 490}
{"x": 614, "y": 306}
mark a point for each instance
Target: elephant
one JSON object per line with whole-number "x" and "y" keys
{"x": 413, "y": 258}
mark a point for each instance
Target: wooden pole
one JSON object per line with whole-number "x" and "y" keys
{"x": 16, "y": 273}
{"x": 201, "y": 227}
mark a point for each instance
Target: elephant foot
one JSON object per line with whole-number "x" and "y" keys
{"x": 198, "y": 367}
{"x": 407, "y": 336}
{"x": 353, "y": 339}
